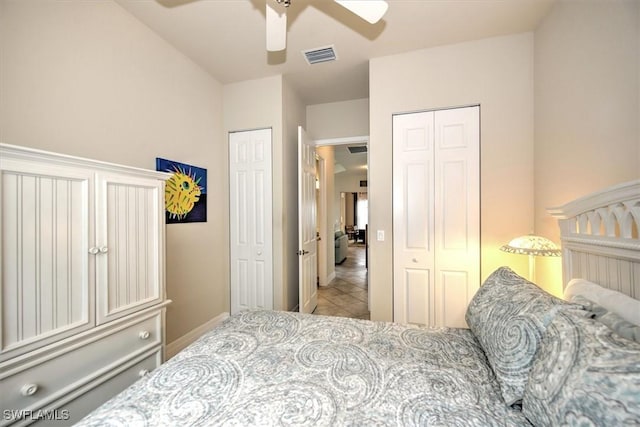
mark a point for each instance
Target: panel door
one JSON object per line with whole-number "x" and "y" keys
{"x": 46, "y": 268}
{"x": 436, "y": 215}
{"x": 413, "y": 218}
{"x": 251, "y": 234}
{"x": 457, "y": 213}
{"x": 129, "y": 248}
{"x": 307, "y": 219}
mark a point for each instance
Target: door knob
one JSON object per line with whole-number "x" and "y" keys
{"x": 29, "y": 389}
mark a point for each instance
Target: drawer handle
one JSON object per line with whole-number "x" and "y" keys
{"x": 143, "y": 373}
{"x": 29, "y": 389}
{"x": 144, "y": 335}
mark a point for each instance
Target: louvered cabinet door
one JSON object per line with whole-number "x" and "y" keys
{"x": 45, "y": 265}
{"x": 129, "y": 244}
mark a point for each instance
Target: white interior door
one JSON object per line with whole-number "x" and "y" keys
{"x": 457, "y": 213}
{"x": 307, "y": 217}
{"x": 251, "y": 234}
{"x": 413, "y": 219}
{"x": 436, "y": 224}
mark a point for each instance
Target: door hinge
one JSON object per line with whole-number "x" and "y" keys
{"x": 302, "y": 252}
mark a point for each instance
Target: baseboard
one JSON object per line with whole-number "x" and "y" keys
{"x": 176, "y": 346}
{"x": 331, "y": 276}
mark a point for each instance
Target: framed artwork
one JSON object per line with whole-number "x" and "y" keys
{"x": 185, "y": 194}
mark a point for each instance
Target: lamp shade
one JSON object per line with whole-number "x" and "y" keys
{"x": 532, "y": 245}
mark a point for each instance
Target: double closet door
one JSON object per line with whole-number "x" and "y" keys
{"x": 436, "y": 215}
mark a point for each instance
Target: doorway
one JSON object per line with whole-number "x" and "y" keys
{"x": 346, "y": 292}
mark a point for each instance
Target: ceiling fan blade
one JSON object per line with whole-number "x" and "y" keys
{"x": 369, "y": 10}
{"x": 276, "y": 28}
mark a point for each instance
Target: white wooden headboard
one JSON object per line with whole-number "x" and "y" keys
{"x": 600, "y": 238}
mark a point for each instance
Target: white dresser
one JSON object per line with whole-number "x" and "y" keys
{"x": 83, "y": 294}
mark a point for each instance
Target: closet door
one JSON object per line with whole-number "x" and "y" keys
{"x": 46, "y": 268}
{"x": 436, "y": 215}
{"x": 251, "y": 233}
{"x": 456, "y": 213}
{"x": 413, "y": 218}
{"x": 129, "y": 244}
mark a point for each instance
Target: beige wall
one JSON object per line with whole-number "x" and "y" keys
{"x": 256, "y": 104}
{"x": 335, "y": 120}
{"x": 496, "y": 73}
{"x": 88, "y": 79}
{"x": 294, "y": 115}
{"x": 587, "y": 108}
{"x": 338, "y": 119}
{"x": 271, "y": 103}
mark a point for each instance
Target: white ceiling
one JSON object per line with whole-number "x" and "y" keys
{"x": 352, "y": 162}
{"x": 227, "y": 37}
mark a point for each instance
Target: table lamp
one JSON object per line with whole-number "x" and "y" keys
{"x": 533, "y": 246}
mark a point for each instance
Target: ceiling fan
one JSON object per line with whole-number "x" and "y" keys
{"x": 369, "y": 10}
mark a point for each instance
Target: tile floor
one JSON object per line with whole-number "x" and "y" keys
{"x": 346, "y": 295}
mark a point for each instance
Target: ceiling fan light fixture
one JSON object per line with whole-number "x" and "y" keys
{"x": 370, "y": 10}
{"x": 276, "y": 28}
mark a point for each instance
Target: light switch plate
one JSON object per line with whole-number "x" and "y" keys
{"x": 380, "y": 235}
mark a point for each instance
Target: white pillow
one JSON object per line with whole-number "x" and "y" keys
{"x": 617, "y": 302}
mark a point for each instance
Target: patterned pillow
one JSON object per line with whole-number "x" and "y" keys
{"x": 620, "y": 326}
{"x": 508, "y": 315}
{"x": 614, "y": 321}
{"x": 584, "y": 374}
{"x": 596, "y": 309}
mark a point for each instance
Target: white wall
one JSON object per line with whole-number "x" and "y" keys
{"x": 88, "y": 79}
{"x": 496, "y": 73}
{"x": 338, "y": 119}
{"x": 587, "y": 108}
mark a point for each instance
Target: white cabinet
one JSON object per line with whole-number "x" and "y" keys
{"x": 82, "y": 269}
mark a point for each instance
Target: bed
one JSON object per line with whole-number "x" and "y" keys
{"x": 528, "y": 358}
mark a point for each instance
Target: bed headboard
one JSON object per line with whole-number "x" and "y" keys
{"x": 600, "y": 238}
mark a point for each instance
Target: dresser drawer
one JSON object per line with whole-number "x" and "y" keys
{"x": 81, "y": 402}
{"x": 50, "y": 378}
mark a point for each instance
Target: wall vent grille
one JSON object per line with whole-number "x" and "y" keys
{"x": 357, "y": 149}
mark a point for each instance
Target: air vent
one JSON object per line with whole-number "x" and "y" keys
{"x": 357, "y": 149}
{"x": 322, "y": 54}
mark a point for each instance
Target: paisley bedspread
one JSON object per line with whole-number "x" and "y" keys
{"x": 281, "y": 368}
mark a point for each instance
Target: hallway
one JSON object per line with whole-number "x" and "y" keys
{"x": 346, "y": 295}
